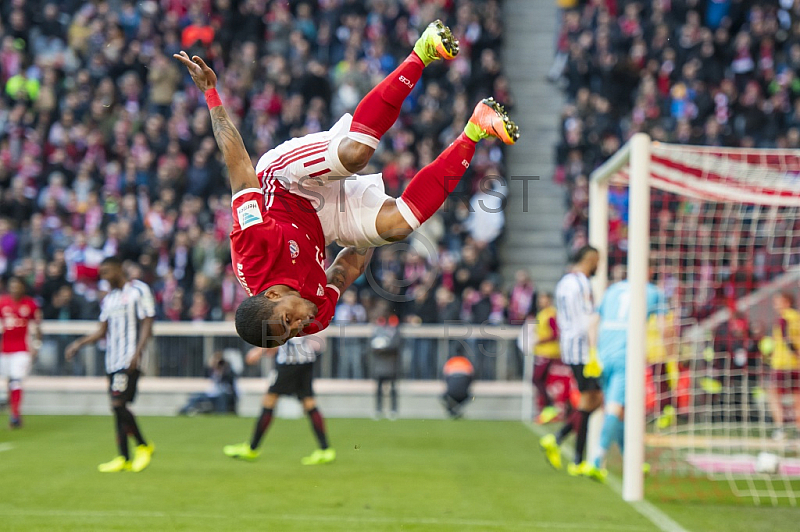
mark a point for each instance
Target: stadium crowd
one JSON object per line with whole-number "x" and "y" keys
{"x": 106, "y": 147}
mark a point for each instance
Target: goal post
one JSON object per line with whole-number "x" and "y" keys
{"x": 720, "y": 228}
{"x": 636, "y": 154}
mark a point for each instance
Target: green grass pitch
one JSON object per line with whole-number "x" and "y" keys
{"x": 403, "y": 475}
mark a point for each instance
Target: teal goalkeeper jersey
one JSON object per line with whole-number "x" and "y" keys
{"x": 614, "y": 310}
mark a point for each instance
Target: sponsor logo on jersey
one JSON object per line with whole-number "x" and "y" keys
{"x": 320, "y": 290}
{"x": 294, "y": 249}
{"x": 249, "y": 214}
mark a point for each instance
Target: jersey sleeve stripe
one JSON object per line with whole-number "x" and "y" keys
{"x": 243, "y": 192}
{"x": 336, "y": 288}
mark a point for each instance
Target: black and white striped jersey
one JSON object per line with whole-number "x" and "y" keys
{"x": 122, "y": 309}
{"x": 574, "y": 309}
{"x": 298, "y": 350}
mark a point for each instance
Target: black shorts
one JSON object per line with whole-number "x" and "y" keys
{"x": 121, "y": 385}
{"x": 585, "y": 384}
{"x": 292, "y": 379}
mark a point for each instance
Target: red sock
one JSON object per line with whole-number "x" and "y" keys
{"x": 15, "y": 399}
{"x": 379, "y": 109}
{"x": 428, "y": 190}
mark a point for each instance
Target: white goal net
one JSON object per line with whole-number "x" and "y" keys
{"x": 722, "y": 385}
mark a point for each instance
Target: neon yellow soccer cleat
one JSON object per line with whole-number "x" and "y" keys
{"x": 548, "y": 414}
{"x": 320, "y": 456}
{"x": 551, "y": 450}
{"x": 142, "y": 456}
{"x": 593, "y": 472}
{"x": 437, "y": 42}
{"x": 116, "y": 465}
{"x": 241, "y": 450}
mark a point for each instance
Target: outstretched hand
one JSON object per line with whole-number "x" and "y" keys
{"x": 201, "y": 73}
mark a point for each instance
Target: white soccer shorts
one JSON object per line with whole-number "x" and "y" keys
{"x": 15, "y": 366}
{"x": 347, "y": 205}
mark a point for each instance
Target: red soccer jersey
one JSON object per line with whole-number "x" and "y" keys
{"x": 281, "y": 243}
{"x": 16, "y": 315}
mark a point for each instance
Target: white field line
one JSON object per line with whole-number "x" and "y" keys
{"x": 661, "y": 520}
{"x": 435, "y": 521}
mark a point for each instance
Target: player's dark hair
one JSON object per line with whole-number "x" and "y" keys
{"x": 582, "y": 252}
{"x": 254, "y": 320}
{"x": 113, "y": 261}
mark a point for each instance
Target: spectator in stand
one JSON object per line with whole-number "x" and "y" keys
{"x": 523, "y": 298}
{"x": 386, "y": 345}
{"x": 351, "y": 353}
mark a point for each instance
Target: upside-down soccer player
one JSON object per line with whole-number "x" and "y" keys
{"x": 126, "y": 322}
{"x": 293, "y": 375}
{"x": 610, "y": 332}
{"x": 287, "y": 211}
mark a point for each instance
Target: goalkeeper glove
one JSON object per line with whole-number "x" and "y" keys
{"x": 593, "y": 368}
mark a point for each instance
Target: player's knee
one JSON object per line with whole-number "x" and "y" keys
{"x": 353, "y": 155}
{"x": 390, "y": 224}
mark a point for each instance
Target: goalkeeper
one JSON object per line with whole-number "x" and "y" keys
{"x": 608, "y": 336}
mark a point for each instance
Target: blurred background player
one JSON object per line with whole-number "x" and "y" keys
{"x": 547, "y": 353}
{"x": 293, "y": 375}
{"x": 785, "y": 363}
{"x": 661, "y": 351}
{"x": 574, "y": 309}
{"x": 609, "y": 337}
{"x": 386, "y": 344}
{"x": 126, "y": 323}
{"x": 458, "y": 375}
{"x": 17, "y": 352}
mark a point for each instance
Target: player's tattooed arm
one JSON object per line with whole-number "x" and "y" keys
{"x": 240, "y": 168}
{"x": 350, "y": 263}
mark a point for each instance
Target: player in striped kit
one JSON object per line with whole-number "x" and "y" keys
{"x": 17, "y": 310}
{"x": 126, "y": 323}
{"x": 574, "y": 309}
{"x": 293, "y": 375}
{"x": 287, "y": 210}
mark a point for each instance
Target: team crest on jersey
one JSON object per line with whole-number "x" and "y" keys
{"x": 249, "y": 214}
{"x": 294, "y": 249}
{"x": 320, "y": 290}
{"x": 24, "y": 312}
